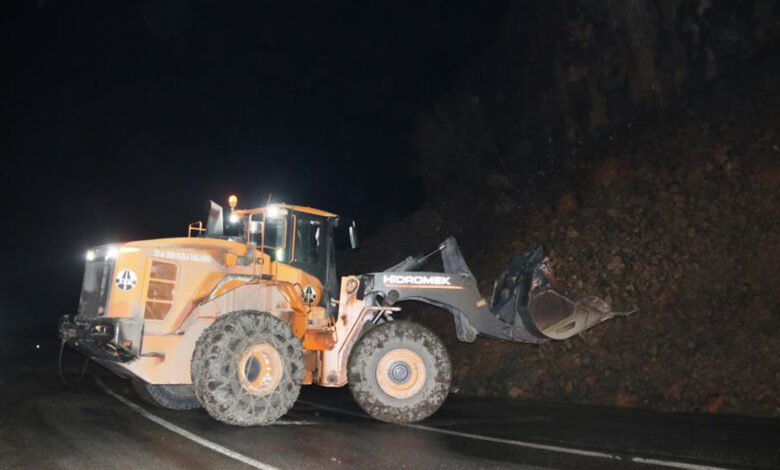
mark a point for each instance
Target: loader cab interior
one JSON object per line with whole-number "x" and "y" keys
{"x": 291, "y": 237}
{"x": 302, "y": 237}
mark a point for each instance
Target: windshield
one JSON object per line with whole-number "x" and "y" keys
{"x": 275, "y": 231}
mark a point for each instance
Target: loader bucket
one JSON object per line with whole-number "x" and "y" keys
{"x": 528, "y": 305}
{"x": 528, "y": 291}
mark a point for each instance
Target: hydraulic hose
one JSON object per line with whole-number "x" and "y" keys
{"x": 62, "y": 375}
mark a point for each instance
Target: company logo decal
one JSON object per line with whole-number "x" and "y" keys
{"x": 419, "y": 282}
{"x": 309, "y": 294}
{"x": 182, "y": 256}
{"x": 126, "y": 280}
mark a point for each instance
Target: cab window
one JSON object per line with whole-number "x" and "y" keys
{"x": 308, "y": 234}
{"x": 275, "y": 232}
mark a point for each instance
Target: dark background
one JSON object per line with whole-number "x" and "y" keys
{"x": 123, "y": 118}
{"x": 636, "y": 142}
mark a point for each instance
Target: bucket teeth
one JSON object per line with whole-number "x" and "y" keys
{"x": 543, "y": 307}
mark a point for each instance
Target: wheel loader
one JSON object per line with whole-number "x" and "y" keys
{"x": 241, "y": 313}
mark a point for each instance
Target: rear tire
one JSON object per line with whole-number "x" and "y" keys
{"x": 399, "y": 372}
{"x": 247, "y": 368}
{"x": 172, "y": 397}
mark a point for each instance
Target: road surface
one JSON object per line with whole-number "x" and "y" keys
{"x": 103, "y": 424}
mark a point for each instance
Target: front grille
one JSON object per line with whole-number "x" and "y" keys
{"x": 159, "y": 294}
{"x": 98, "y": 277}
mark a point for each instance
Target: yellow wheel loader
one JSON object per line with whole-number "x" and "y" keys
{"x": 237, "y": 322}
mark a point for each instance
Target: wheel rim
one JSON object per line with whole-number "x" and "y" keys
{"x": 260, "y": 369}
{"x": 401, "y": 373}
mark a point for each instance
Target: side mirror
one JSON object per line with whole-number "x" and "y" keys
{"x": 353, "y": 236}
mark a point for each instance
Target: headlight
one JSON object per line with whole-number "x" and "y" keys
{"x": 275, "y": 211}
{"x": 90, "y": 255}
{"x": 233, "y": 218}
{"x": 112, "y": 252}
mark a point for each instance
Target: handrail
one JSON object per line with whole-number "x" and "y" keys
{"x": 196, "y": 226}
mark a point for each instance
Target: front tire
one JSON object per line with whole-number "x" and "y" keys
{"x": 247, "y": 368}
{"x": 172, "y": 397}
{"x": 399, "y": 372}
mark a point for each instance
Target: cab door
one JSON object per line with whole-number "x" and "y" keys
{"x": 313, "y": 251}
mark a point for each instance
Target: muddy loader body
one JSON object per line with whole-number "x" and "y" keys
{"x": 237, "y": 323}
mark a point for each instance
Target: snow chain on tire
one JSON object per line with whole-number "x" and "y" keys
{"x": 247, "y": 368}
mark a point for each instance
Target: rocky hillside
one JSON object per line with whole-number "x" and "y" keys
{"x": 562, "y": 72}
{"x": 678, "y": 218}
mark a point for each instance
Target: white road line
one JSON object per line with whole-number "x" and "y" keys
{"x": 284, "y": 422}
{"x": 186, "y": 434}
{"x": 533, "y": 445}
{"x": 330, "y": 408}
{"x": 673, "y": 464}
{"x": 530, "y": 445}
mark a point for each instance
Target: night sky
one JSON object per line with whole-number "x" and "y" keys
{"x": 124, "y": 118}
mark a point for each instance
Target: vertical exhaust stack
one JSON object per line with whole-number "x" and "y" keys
{"x": 215, "y": 223}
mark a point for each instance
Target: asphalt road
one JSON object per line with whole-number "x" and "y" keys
{"x": 103, "y": 424}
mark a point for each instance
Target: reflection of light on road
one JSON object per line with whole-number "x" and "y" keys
{"x": 532, "y": 445}
{"x": 186, "y": 434}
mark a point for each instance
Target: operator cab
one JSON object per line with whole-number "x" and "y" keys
{"x": 302, "y": 237}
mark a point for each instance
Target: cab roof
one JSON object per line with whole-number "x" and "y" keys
{"x": 307, "y": 210}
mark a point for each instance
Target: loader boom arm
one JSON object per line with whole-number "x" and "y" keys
{"x": 527, "y": 305}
